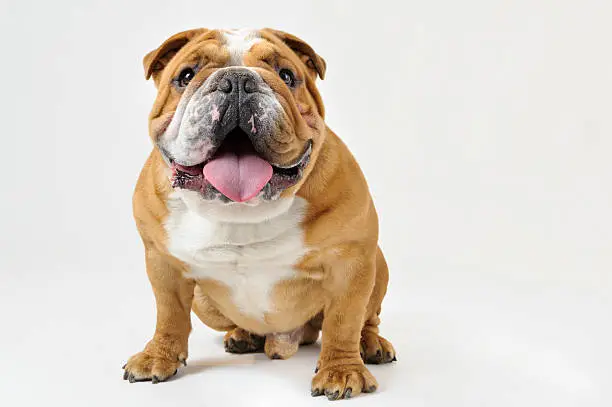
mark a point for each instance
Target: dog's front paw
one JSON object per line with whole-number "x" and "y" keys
{"x": 343, "y": 381}
{"x": 159, "y": 361}
{"x": 143, "y": 368}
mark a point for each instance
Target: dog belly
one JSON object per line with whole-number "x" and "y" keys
{"x": 281, "y": 307}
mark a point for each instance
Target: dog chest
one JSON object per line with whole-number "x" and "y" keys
{"x": 249, "y": 258}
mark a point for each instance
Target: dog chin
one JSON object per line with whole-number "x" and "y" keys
{"x": 255, "y": 210}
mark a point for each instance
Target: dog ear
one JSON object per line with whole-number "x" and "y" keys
{"x": 312, "y": 60}
{"x": 155, "y": 61}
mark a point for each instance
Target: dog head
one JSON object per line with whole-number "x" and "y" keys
{"x": 238, "y": 117}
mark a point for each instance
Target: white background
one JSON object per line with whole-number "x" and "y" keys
{"x": 483, "y": 128}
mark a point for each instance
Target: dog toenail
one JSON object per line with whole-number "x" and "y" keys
{"x": 334, "y": 395}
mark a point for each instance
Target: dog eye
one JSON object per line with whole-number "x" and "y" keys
{"x": 287, "y": 76}
{"x": 185, "y": 77}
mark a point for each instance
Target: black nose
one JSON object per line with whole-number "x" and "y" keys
{"x": 225, "y": 85}
{"x": 238, "y": 80}
{"x": 249, "y": 85}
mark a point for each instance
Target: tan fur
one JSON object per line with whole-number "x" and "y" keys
{"x": 341, "y": 281}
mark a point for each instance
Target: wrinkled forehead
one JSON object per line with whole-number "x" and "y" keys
{"x": 238, "y": 43}
{"x": 238, "y": 47}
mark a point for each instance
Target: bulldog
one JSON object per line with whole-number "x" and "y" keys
{"x": 254, "y": 214}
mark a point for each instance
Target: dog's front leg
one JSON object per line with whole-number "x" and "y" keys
{"x": 341, "y": 372}
{"x": 167, "y": 350}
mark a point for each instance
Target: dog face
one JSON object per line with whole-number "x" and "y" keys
{"x": 238, "y": 117}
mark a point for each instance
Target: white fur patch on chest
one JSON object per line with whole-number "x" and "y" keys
{"x": 238, "y": 43}
{"x": 249, "y": 258}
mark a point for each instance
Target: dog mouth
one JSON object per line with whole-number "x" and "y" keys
{"x": 237, "y": 173}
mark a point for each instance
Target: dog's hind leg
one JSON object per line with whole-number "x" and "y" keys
{"x": 208, "y": 313}
{"x": 374, "y": 348}
{"x": 237, "y": 340}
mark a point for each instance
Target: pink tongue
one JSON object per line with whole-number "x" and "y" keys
{"x": 238, "y": 177}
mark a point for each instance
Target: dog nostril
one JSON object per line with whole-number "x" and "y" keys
{"x": 249, "y": 86}
{"x": 225, "y": 85}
